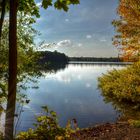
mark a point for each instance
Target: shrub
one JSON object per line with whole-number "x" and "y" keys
{"x": 123, "y": 85}
{"x": 46, "y": 128}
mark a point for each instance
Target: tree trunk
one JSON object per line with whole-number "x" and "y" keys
{"x": 12, "y": 81}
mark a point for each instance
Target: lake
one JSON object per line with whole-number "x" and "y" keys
{"x": 73, "y": 93}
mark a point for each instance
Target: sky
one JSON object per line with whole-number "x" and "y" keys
{"x": 85, "y": 30}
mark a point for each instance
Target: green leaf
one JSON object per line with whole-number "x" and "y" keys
{"x": 46, "y": 3}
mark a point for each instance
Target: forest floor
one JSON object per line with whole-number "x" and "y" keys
{"x": 108, "y": 131}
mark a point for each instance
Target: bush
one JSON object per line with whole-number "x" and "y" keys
{"x": 123, "y": 85}
{"x": 46, "y": 128}
{"x": 135, "y": 123}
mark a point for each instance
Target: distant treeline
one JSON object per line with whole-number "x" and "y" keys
{"x": 47, "y": 57}
{"x": 95, "y": 59}
{"x": 52, "y": 57}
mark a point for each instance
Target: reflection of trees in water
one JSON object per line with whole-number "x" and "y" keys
{"x": 128, "y": 110}
{"x": 51, "y": 61}
{"x": 31, "y": 77}
{"x": 53, "y": 67}
{"x": 101, "y": 64}
{"x": 21, "y": 98}
{"x": 25, "y": 76}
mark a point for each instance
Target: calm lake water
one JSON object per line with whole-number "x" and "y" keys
{"x": 73, "y": 93}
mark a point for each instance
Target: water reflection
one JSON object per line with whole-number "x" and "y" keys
{"x": 52, "y": 67}
{"x": 72, "y": 92}
{"x": 129, "y": 110}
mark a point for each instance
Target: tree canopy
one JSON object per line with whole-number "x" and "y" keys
{"x": 128, "y": 29}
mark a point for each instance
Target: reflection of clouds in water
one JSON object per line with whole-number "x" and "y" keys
{"x": 27, "y": 107}
{"x": 66, "y": 101}
{"x": 67, "y": 77}
{"x": 71, "y": 73}
{"x": 79, "y": 77}
{"x": 88, "y": 85}
{"x": 72, "y": 93}
{"x": 33, "y": 110}
{"x": 63, "y": 78}
{"x": 59, "y": 77}
{"x": 86, "y": 108}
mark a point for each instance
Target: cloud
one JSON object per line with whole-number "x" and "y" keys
{"x": 52, "y": 46}
{"x": 88, "y": 36}
{"x": 44, "y": 46}
{"x": 39, "y": 4}
{"x": 64, "y": 43}
{"x": 87, "y": 23}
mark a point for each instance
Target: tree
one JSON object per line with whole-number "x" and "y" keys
{"x": 12, "y": 80}
{"x": 27, "y": 7}
{"x": 128, "y": 29}
{"x": 26, "y": 56}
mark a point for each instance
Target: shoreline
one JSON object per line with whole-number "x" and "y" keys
{"x": 108, "y": 131}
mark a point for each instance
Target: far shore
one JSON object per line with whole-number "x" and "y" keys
{"x": 100, "y": 62}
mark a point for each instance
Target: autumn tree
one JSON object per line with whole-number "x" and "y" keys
{"x": 128, "y": 29}
{"x": 122, "y": 87}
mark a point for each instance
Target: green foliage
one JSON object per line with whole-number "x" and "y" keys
{"x": 46, "y": 128}
{"x": 46, "y": 3}
{"x": 122, "y": 89}
{"x": 122, "y": 85}
{"x": 23, "y": 39}
{"x": 26, "y": 56}
{"x": 52, "y": 57}
{"x": 135, "y": 123}
{"x": 59, "y": 4}
{"x": 63, "y": 4}
{"x": 29, "y": 7}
